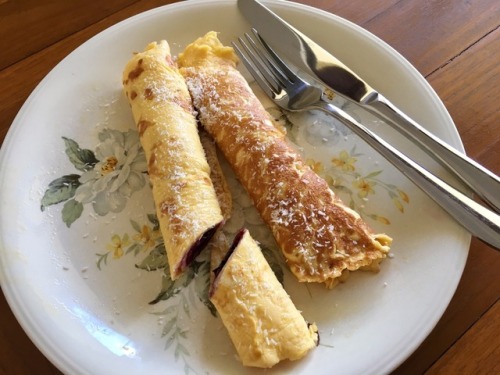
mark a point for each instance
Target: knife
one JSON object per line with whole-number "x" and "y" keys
{"x": 317, "y": 62}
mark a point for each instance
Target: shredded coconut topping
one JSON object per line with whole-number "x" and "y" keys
{"x": 319, "y": 236}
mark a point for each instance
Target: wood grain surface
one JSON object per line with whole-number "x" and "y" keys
{"x": 455, "y": 44}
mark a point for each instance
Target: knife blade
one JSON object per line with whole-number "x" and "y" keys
{"x": 322, "y": 66}
{"x": 311, "y": 57}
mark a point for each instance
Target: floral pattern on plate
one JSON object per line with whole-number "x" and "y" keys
{"x": 109, "y": 176}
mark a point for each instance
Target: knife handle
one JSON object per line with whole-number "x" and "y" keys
{"x": 482, "y": 181}
{"x": 477, "y": 219}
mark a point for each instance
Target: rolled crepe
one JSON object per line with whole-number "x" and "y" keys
{"x": 185, "y": 199}
{"x": 263, "y": 323}
{"x": 320, "y": 237}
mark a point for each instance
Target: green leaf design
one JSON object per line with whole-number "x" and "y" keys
{"x": 202, "y": 286}
{"x": 187, "y": 369}
{"x": 82, "y": 159}
{"x": 180, "y": 349}
{"x": 135, "y": 225}
{"x": 353, "y": 152}
{"x": 342, "y": 188}
{"x": 155, "y": 260}
{"x": 133, "y": 248}
{"x": 103, "y": 258}
{"x": 170, "y": 288}
{"x": 71, "y": 211}
{"x": 273, "y": 261}
{"x": 174, "y": 333}
{"x": 184, "y": 335}
{"x": 60, "y": 190}
{"x": 373, "y": 174}
{"x": 169, "y": 341}
{"x": 185, "y": 306}
{"x": 154, "y": 220}
{"x": 392, "y": 195}
{"x": 169, "y": 326}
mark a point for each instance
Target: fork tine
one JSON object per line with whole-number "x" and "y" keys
{"x": 264, "y": 57}
{"x": 266, "y": 81}
{"x": 284, "y": 70}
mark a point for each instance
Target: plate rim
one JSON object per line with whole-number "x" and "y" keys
{"x": 25, "y": 319}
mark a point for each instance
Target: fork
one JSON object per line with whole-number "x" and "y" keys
{"x": 292, "y": 93}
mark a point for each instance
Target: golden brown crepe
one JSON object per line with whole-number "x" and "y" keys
{"x": 320, "y": 237}
{"x": 262, "y": 321}
{"x": 185, "y": 199}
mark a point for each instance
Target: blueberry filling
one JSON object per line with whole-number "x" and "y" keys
{"x": 198, "y": 245}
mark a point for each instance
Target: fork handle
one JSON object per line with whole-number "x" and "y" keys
{"x": 482, "y": 181}
{"x": 477, "y": 219}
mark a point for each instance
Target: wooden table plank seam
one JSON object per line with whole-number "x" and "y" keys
{"x": 27, "y": 43}
{"x": 465, "y": 50}
{"x": 447, "y": 363}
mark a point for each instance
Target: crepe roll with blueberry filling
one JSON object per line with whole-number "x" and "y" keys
{"x": 261, "y": 319}
{"x": 321, "y": 238}
{"x": 186, "y": 203}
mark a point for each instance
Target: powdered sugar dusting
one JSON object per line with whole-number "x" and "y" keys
{"x": 318, "y": 235}
{"x": 183, "y": 192}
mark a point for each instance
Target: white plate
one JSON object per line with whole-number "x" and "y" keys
{"x": 96, "y": 320}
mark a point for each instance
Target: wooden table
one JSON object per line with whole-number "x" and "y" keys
{"x": 455, "y": 44}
